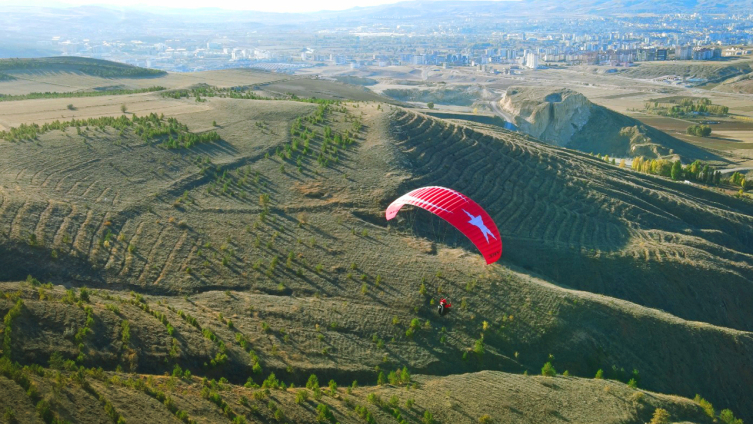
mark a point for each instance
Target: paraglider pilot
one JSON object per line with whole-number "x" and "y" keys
{"x": 444, "y": 307}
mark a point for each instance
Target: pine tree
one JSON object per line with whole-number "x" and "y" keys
{"x": 548, "y": 370}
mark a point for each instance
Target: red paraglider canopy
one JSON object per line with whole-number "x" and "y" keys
{"x": 460, "y": 211}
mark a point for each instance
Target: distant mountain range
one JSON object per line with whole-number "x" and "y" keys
{"x": 404, "y": 10}
{"x": 559, "y": 8}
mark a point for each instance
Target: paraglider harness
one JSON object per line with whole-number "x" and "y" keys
{"x": 444, "y": 307}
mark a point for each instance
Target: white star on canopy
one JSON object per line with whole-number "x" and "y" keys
{"x": 478, "y": 221}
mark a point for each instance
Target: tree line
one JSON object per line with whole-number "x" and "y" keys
{"x": 149, "y": 128}
{"x": 239, "y": 92}
{"x": 686, "y": 106}
{"x": 53, "y": 95}
{"x": 699, "y": 130}
{"x": 696, "y": 171}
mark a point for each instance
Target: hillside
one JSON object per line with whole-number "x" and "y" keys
{"x": 94, "y": 67}
{"x": 136, "y": 400}
{"x": 740, "y": 84}
{"x": 265, "y": 247}
{"x": 711, "y": 71}
{"x": 72, "y": 77}
{"x": 566, "y": 118}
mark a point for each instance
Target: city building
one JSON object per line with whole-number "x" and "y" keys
{"x": 684, "y": 52}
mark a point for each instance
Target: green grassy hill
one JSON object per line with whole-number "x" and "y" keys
{"x": 264, "y": 249}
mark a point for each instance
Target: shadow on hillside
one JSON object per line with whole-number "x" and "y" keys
{"x": 214, "y": 148}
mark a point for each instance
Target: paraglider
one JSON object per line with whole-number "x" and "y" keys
{"x": 460, "y": 211}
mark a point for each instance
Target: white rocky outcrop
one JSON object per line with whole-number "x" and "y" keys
{"x": 550, "y": 115}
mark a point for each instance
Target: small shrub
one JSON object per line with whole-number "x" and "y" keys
{"x": 374, "y": 399}
{"x": 637, "y": 397}
{"x": 312, "y": 382}
{"x": 661, "y": 416}
{"x": 324, "y": 414}
{"x": 380, "y": 379}
{"x": 478, "y": 348}
{"x": 485, "y": 419}
{"x": 599, "y": 375}
{"x": 393, "y": 378}
{"x": 707, "y": 407}
{"x": 548, "y": 370}
{"x": 301, "y": 396}
{"x": 728, "y": 417}
{"x": 126, "y": 332}
{"x": 83, "y": 294}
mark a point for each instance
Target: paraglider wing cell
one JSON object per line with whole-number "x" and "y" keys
{"x": 460, "y": 211}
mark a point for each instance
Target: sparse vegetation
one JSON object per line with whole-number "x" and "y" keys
{"x": 169, "y": 133}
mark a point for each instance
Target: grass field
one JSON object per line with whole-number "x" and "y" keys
{"x": 266, "y": 251}
{"x": 64, "y": 81}
{"x": 733, "y": 137}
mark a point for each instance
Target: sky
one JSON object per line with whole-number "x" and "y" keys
{"x": 260, "y": 5}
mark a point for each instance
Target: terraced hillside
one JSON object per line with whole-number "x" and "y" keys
{"x": 600, "y": 228}
{"x": 266, "y": 251}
